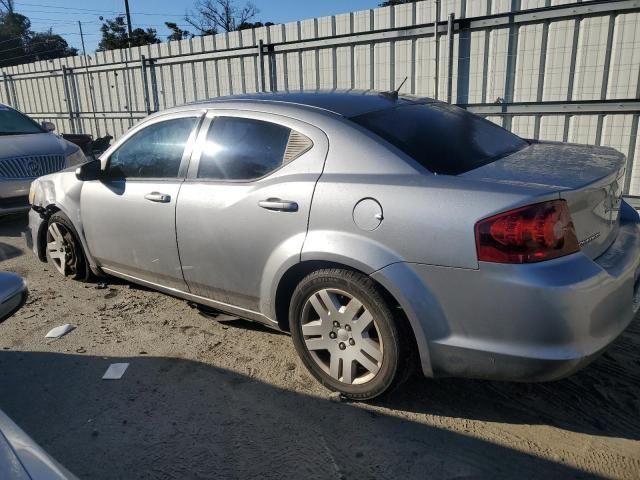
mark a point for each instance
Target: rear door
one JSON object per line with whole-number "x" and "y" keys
{"x": 243, "y": 210}
{"x": 129, "y": 215}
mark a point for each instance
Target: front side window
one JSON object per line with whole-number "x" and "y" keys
{"x": 15, "y": 123}
{"x": 242, "y": 149}
{"x": 154, "y": 152}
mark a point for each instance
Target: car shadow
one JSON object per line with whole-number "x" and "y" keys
{"x": 602, "y": 399}
{"x": 7, "y": 252}
{"x": 13, "y": 225}
{"x": 174, "y": 418}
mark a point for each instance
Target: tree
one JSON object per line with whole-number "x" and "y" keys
{"x": 18, "y": 44}
{"x": 215, "y": 16}
{"x": 14, "y": 38}
{"x": 176, "y": 32}
{"x": 114, "y": 35}
{"x": 7, "y": 5}
{"x": 48, "y": 45}
{"x": 246, "y": 25}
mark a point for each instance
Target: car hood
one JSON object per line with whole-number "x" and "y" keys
{"x": 33, "y": 144}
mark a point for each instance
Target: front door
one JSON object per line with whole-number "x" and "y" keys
{"x": 244, "y": 208}
{"x": 129, "y": 215}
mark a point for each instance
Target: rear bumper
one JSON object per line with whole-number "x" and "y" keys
{"x": 533, "y": 322}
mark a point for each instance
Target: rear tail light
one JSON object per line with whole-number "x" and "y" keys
{"x": 534, "y": 233}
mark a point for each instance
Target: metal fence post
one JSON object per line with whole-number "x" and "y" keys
{"x": 450, "y": 56}
{"x": 154, "y": 85}
{"x": 261, "y": 65}
{"x": 6, "y": 79}
{"x": 145, "y": 84}
{"x": 436, "y": 40}
{"x": 67, "y": 94}
{"x": 273, "y": 76}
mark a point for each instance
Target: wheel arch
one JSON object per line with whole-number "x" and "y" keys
{"x": 46, "y": 213}
{"x": 292, "y": 277}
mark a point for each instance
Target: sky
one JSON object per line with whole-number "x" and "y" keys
{"x": 63, "y": 15}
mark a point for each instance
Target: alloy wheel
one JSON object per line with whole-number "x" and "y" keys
{"x": 61, "y": 248}
{"x": 342, "y": 336}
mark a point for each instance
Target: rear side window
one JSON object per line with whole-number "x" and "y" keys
{"x": 444, "y": 139}
{"x": 154, "y": 152}
{"x": 246, "y": 149}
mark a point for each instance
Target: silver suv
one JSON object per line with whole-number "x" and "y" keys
{"x": 27, "y": 151}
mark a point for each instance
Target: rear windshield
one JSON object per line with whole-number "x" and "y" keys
{"x": 444, "y": 139}
{"x": 15, "y": 123}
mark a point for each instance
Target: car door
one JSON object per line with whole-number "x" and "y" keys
{"x": 129, "y": 214}
{"x": 244, "y": 207}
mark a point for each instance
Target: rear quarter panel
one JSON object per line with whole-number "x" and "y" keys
{"x": 426, "y": 218}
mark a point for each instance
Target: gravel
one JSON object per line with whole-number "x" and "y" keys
{"x": 227, "y": 398}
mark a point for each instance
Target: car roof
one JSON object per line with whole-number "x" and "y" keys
{"x": 345, "y": 103}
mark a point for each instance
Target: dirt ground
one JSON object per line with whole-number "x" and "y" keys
{"x": 209, "y": 399}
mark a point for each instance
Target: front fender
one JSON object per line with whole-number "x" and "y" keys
{"x": 62, "y": 191}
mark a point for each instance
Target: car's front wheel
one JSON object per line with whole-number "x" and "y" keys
{"x": 64, "y": 250}
{"x": 347, "y": 335}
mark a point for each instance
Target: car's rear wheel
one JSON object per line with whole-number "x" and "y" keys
{"x": 64, "y": 250}
{"x": 347, "y": 335}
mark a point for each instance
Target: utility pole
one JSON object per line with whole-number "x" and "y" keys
{"x": 90, "y": 83}
{"x": 126, "y": 9}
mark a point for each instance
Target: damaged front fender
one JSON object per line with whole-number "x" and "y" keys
{"x": 58, "y": 192}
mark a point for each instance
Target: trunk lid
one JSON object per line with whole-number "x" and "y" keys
{"x": 589, "y": 178}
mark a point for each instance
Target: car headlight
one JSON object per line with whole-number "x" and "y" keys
{"x": 76, "y": 158}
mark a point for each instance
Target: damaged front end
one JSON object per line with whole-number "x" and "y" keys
{"x": 58, "y": 192}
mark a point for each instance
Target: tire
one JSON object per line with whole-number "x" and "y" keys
{"x": 64, "y": 250}
{"x": 366, "y": 350}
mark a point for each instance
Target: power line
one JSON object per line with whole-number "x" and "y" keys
{"x": 34, "y": 55}
{"x": 30, "y": 44}
{"x": 76, "y": 9}
{"x": 99, "y": 22}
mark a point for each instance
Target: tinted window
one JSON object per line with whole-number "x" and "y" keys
{"x": 242, "y": 149}
{"x": 442, "y": 138}
{"x": 15, "y": 123}
{"x": 154, "y": 152}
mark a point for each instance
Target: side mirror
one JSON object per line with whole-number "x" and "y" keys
{"x": 89, "y": 171}
{"x": 48, "y": 126}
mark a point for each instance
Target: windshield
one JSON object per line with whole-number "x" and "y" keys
{"x": 15, "y": 123}
{"x": 444, "y": 139}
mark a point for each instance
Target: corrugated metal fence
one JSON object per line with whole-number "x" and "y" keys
{"x": 552, "y": 69}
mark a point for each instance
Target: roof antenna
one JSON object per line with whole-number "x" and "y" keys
{"x": 394, "y": 93}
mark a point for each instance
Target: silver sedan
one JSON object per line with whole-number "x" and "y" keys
{"x": 383, "y": 232}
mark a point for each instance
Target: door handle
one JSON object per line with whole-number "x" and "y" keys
{"x": 158, "y": 197}
{"x": 278, "y": 205}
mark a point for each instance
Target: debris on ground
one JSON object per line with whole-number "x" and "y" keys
{"x": 59, "y": 331}
{"x": 337, "y": 397}
{"x": 102, "y": 285}
{"x": 115, "y": 371}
